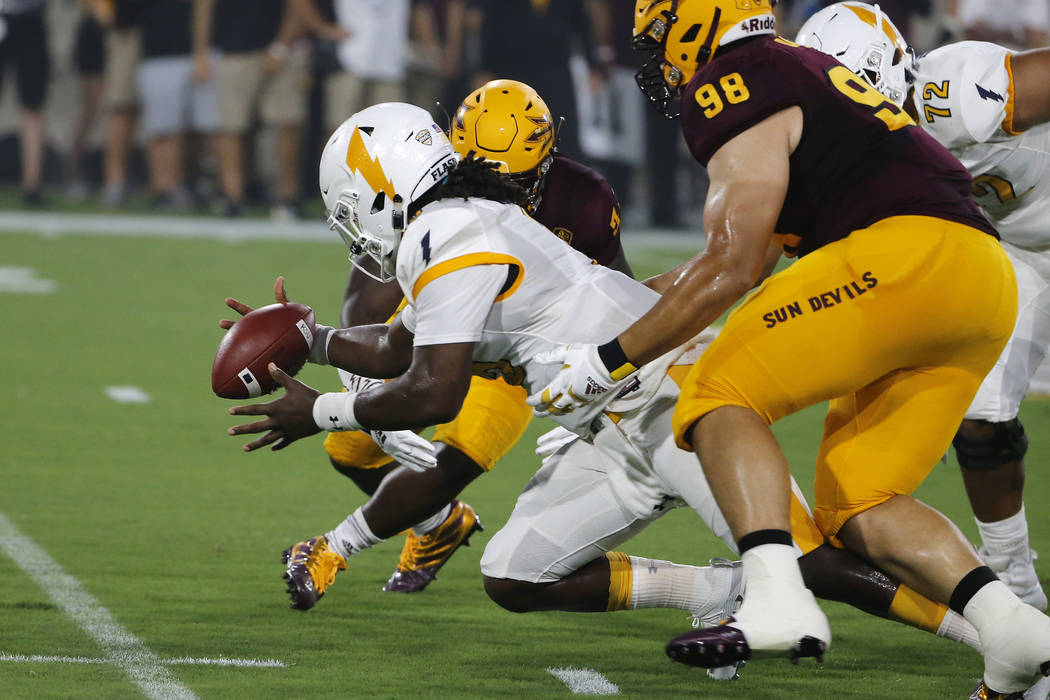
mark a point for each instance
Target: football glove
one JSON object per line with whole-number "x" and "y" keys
{"x": 415, "y": 452}
{"x": 582, "y": 380}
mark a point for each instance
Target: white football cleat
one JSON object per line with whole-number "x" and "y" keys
{"x": 1019, "y": 575}
{"x": 767, "y": 625}
{"x": 1017, "y": 650}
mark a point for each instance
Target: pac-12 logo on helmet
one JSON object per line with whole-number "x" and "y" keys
{"x": 682, "y": 35}
{"x": 376, "y": 165}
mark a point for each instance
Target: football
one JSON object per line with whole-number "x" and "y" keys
{"x": 278, "y": 333}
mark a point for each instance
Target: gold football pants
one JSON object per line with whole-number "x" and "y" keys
{"x": 896, "y": 325}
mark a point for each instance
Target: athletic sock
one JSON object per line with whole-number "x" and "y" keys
{"x": 425, "y": 527}
{"x": 956, "y": 628}
{"x": 773, "y": 566}
{"x": 656, "y": 583}
{"x": 1007, "y": 537}
{"x": 620, "y": 581}
{"x": 983, "y": 599}
{"x": 351, "y": 536}
{"x": 913, "y": 608}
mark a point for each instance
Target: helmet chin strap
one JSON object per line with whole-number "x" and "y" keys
{"x": 703, "y": 56}
{"x": 397, "y": 216}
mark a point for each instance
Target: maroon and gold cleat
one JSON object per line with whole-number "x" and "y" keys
{"x": 1039, "y": 690}
{"x": 421, "y": 557}
{"x": 310, "y": 569}
{"x": 983, "y": 692}
{"x": 724, "y": 645}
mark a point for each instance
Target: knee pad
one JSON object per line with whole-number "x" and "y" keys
{"x": 1006, "y": 442}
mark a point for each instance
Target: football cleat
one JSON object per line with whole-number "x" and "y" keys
{"x": 421, "y": 557}
{"x": 1016, "y": 651}
{"x": 770, "y": 623}
{"x": 723, "y": 612}
{"x": 1018, "y": 573}
{"x": 310, "y": 569}
{"x": 1036, "y": 692}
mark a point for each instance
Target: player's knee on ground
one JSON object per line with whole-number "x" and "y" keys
{"x": 515, "y": 596}
{"x": 984, "y": 446}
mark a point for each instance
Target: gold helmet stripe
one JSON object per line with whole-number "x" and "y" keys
{"x": 359, "y": 160}
{"x": 868, "y": 17}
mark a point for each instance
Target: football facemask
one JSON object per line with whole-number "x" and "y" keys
{"x": 374, "y": 172}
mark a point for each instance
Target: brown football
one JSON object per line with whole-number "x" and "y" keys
{"x": 278, "y": 333}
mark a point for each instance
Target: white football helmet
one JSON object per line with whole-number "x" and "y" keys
{"x": 864, "y": 40}
{"x": 374, "y": 168}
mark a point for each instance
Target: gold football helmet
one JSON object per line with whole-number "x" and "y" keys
{"x": 508, "y": 123}
{"x": 682, "y": 35}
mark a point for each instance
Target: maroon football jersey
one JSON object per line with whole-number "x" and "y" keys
{"x": 860, "y": 158}
{"x": 580, "y": 207}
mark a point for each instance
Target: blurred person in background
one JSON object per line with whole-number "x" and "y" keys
{"x": 258, "y": 72}
{"x": 1013, "y": 23}
{"x": 120, "y": 95}
{"x": 178, "y": 91}
{"x": 371, "y": 51}
{"x": 23, "y": 46}
{"x": 435, "y": 53}
{"x": 532, "y": 41}
{"x": 89, "y": 57}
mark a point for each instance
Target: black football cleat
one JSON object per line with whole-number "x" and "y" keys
{"x": 723, "y": 645}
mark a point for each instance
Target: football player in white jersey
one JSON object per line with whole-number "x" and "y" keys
{"x": 488, "y": 288}
{"x": 990, "y": 107}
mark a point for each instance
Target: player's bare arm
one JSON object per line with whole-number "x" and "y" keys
{"x": 367, "y": 300}
{"x": 430, "y": 392}
{"x": 661, "y": 282}
{"x": 1031, "y": 88}
{"x": 749, "y": 179}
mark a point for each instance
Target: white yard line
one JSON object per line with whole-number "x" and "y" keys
{"x": 120, "y": 647}
{"x": 584, "y": 681}
{"x": 127, "y": 394}
{"x": 53, "y": 224}
{"x": 181, "y": 661}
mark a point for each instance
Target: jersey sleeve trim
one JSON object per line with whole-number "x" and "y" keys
{"x": 1008, "y": 122}
{"x": 469, "y": 260}
{"x": 398, "y": 310}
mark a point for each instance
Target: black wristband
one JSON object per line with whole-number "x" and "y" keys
{"x": 615, "y": 360}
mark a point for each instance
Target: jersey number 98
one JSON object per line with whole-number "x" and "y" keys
{"x": 734, "y": 89}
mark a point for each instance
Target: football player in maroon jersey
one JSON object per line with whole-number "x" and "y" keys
{"x": 879, "y": 315}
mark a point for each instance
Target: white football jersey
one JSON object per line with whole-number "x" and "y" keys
{"x": 551, "y": 294}
{"x": 964, "y": 99}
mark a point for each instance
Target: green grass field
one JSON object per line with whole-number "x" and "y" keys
{"x": 177, "y": 533}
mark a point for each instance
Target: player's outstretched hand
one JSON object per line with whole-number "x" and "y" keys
{"x": 582, "y": 380}
{"x": 287, "y": 418}
{"x": 279, "y": 294}
{"x": 415, "y": 452}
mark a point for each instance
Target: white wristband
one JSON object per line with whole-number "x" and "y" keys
{"x": 334, "y": 412}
